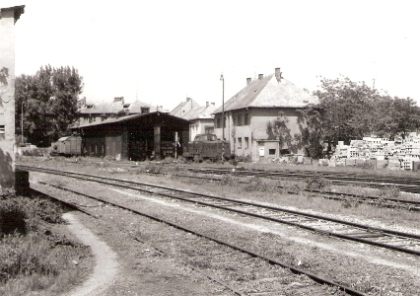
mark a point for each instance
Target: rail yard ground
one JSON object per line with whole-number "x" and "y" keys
{"x": 143, "y": 270}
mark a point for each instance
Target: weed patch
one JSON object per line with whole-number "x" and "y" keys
{"x": 390, "y": 192}
{"x": 318, "y": 184}
{"x": 31, "y": 256}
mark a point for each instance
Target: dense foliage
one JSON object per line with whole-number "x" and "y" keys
{"x": 48, "y": 101}
{"x": 348, "y": 110}
{"x": 278, "y": 129}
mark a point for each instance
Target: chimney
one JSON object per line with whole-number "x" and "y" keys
{"x": 119, "y": 99}
{"x": 188, "y": 99}
{"x": 213, "y": 103}
{"x": 248, "y": 80}
{"x": 260, "y": 76}
{"x": 207, "y": 104}
{"x": 277, "y": 73}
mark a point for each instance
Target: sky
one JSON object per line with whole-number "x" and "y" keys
{"x": 161, "y": 52}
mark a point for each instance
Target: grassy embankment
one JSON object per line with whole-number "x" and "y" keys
{"x": 35, "y": 254}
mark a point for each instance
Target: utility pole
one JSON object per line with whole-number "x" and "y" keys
{"x": 21, "y": 124}
{"x": 223, "y": 116}
{"x": 223, "y": 106}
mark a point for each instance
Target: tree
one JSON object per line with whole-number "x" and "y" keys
{"x": 349, "y": 110}
{"x": 344, "y": 113}
{"x": 406, "y": 115}
{"x": 49, "y": 103}
{"x": 312, "y": 130}
{"x": 277, "y": 129}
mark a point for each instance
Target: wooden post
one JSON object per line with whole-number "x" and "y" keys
{"x": 157, "y": 141}
{"x": 8, "y": 18}
{"x": 176, "y": 145}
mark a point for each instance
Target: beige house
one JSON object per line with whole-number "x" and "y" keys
{"x": 248, "y": 112}
{"x": 201, "y": 119}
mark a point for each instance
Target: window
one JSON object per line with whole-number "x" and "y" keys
{"x": 239, "y": 143}
{"x": 271, "y": 151}
{"x": 246, "y": 119}
{"x": 239, "y": 120}
{"x": 246, "y": 142}
{"x": 2, "y": 132}
{"x": 218, "y": 125}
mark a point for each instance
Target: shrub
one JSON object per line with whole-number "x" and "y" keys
{"x": 390, "y": 192}
{"x": 12, "y": 218}
{"x": 319, "y": 183}
{"x": 350, "y": 202}
{"x": 153, "y": 169}
{"x": 228, "y": 180}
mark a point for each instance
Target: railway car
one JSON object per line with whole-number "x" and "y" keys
{"x": 69, "y": 146}
{"x": 207, "y": 147}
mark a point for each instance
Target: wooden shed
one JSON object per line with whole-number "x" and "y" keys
{"x": 135, "y": 137}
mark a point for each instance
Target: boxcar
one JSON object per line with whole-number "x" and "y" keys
{"x": 70, "y": 146}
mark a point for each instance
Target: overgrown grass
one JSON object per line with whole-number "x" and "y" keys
{"x": 32, "y": 257}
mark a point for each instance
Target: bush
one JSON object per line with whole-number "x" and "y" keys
{"x": 228, "y": 180}
{"x": 390, "y": 192}
{"x": 319, "y": 183}
{"x": 12, "y": 218}
{"x": 244, "y": 158}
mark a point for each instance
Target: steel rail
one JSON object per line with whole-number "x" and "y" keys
{"x": 367, "y": 197}
{"x": 412, "y": 186}
{"x": 368, "y": 229}
{"x": 315, "y": 277}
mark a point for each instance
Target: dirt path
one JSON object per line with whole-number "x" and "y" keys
{"x": 106, "y": 265}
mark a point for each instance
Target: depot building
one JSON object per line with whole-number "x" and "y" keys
{"x": 135, "y": 137}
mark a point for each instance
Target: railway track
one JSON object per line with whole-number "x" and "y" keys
{"x": 400, "y": 203}
{"x": 404, "y": 184}
{"x": 381, "y": 237}
{"x": 270, "y": 281}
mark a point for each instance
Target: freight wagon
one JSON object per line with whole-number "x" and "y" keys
{"x": 69, "y": 146}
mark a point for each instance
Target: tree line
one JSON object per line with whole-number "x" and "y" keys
{"x": 346, "y": 111}
{"x": 349, "y": 110}
{"x": 46, "y": 104}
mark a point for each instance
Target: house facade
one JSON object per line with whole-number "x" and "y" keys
{"x": 201, "y": 118}
{"x": 249, "y": 111}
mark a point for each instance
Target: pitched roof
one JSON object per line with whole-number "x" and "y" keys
{"x": 268, "y": 92}
{"x": 200, "y": 113}
{"x": 123, "y": 119}
{"x": 113, "y": 107}
{"x": 184, "y": 107}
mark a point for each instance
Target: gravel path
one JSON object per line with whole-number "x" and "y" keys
{"x": 106, "y": 267}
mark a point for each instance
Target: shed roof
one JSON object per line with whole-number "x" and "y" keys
{"x": 110, "y": 121}
{"x": 269, "y": 92}
{"x": 62, "y": 139}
